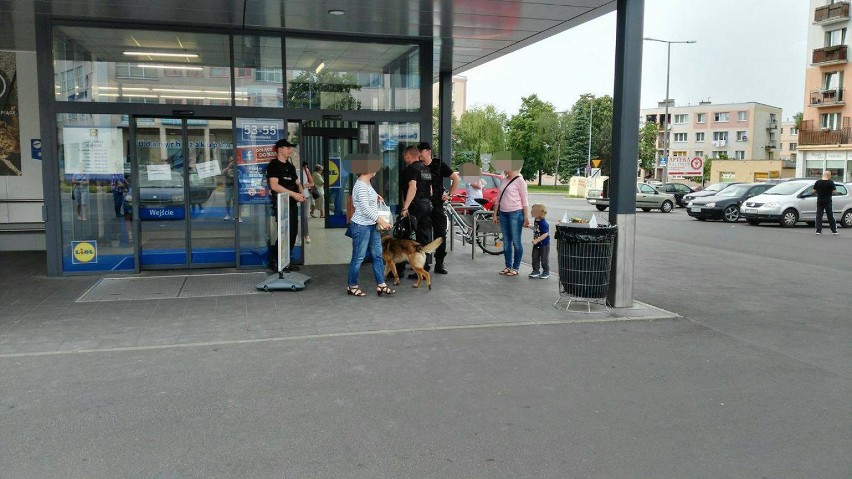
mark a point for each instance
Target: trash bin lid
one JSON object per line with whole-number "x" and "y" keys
{"x": 584, "y": 234}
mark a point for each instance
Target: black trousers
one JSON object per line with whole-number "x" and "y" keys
{"x": 439, "y": 230}
{"x": 825, "y": 208}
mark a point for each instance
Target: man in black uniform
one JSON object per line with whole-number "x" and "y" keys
{"x": 417, "y": 185}
{"x": 825, "y": 189}
{"x": 439, "y": 171}
{"x": 283, "y": 179}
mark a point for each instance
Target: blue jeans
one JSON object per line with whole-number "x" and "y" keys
{"x": 366, "y": 238}
{"x": 512, "y": 223}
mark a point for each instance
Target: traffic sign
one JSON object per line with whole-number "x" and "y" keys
{"x": 663, "y": 161}
{"x": 596, "y": 163}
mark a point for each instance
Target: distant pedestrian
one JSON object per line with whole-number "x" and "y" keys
{"x": 825, "y": 189}
{"x": 540, "y": 243}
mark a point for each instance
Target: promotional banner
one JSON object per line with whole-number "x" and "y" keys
{"x": 10, "y": 141}
{"x": 255, "y": 139}
{"x": 681, "y": 166}
{"x": 93, "y": 151}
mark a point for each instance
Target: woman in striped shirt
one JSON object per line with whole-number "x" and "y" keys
{"x": 364, "y": 229}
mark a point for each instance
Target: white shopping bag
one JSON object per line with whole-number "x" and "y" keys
{"x": 385, "y": 212}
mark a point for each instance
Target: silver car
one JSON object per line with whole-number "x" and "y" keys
{"x": 791, "y": 202}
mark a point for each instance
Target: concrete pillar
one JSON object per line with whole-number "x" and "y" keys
{"x": 445, "y": 114}
{"x": 625, "y": 147}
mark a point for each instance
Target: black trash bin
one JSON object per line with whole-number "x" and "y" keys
{"x": 585, "y": 256}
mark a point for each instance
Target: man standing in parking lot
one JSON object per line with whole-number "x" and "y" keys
{"x": 824, "y": 189}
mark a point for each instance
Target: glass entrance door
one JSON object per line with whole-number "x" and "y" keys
{"x": 183, "y": 193}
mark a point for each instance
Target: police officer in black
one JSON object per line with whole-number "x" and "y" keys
{"x": 417, "y": 202}
{"x": 283, "y": 179}
{"x": 439, "y": 170}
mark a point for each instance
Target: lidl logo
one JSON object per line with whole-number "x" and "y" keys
{"x": 84, "y": 252}
{"x": 333, "y": 173}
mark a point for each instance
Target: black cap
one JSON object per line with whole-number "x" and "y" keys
{"x": 282, "y": 142}
{"x": 423, "y": 146}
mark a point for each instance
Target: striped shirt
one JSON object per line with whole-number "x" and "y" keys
{"x": 365, "y": 199}
{"x": 515, "y": 197}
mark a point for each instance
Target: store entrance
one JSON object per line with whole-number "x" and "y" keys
{"x": 182, "y": 192}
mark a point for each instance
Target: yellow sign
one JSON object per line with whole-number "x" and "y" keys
{"x": 84, "y": 252}
{"x": 334, "y": 173}
{"x": 596, "y": 163}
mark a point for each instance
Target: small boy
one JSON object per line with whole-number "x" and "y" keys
{"x": 541, "y": 243}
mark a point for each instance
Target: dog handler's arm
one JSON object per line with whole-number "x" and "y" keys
{"x": 409, "y": 196}
{"x": 454, "y": 186}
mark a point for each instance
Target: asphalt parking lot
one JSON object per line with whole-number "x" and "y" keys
{"x": 752, "y": 380}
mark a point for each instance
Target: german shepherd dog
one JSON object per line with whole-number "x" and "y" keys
{"x": 398, "y": 250}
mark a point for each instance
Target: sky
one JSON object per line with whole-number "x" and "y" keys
{"x": 747, "y": 51}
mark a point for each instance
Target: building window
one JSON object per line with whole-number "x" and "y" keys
{"x": 680, "y": 119}
{"x": 719, "y": 154}
{"x": 195, "y": 73}
{"x": 701, "y": 118}
{"x": 793, "y": 146}
{"x": 739, "y": 154}
{"x": 794, "y": 131}
{"x": 720, "y": 136}
{"x": 699, "y": 136}
{"x": 269, "y": 75}
{"x": 829, "y": 121}
{"x": 741, "y": 136}
{"x": 678, "y": 154}
{"x": 835, "y": 37}
{"x": 742, "y": 116}
{"x": 722, "y": 117}
{"x": 172, "y": 72}
{"x": 699, "y": 153}
{"x": 126, "y": 70}
{"x": 680, "y": 137}
{"x": 219, "y": 72}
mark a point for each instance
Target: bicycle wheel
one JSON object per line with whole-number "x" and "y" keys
{"x": 491, "y": 243}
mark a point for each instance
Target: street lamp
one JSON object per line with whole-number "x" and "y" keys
{"x": 589, "y": 157}
{"x": 666, "y": 117}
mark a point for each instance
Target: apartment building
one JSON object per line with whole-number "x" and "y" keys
{"x": 788, "y": 141}
{"x": 825, "y": 139}
{"x": 459, "y": 96}
{"x": 739, "y": 131}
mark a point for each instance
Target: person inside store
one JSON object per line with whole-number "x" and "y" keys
{"x": 438, "y": 170}
{"x": 417, "y": 200}
{"x": 319, "y": 187}
{"x": 230, "y": 173}
{"x": 365, "y": 228}
{"x": 284, "y": 180}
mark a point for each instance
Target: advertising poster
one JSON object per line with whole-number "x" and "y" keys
{"x": 681, "y": 166}
{"x": 10, "y": 140}
{"x": 255, "y": 139}
{"x": 93, "y": 151}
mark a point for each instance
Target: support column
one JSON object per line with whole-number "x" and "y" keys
{"x": 625, "y": 147}
{"x": 445, "y": 115}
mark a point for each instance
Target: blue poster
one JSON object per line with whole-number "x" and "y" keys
{"x": 255, "y": 140}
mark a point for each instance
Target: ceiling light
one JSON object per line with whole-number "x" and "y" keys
{"x": 173, "y": 67}
{"x": 337, "y": 12}
{"x": 162, "y": 54}
{"x": 320, "y": 67}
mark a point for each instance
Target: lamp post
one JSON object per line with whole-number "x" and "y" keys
{"x": 666, "y": 117}
{"x": 589, "y": 155}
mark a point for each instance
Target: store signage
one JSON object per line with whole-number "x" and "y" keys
{"x": 255, "y": 140}
{"x": 84, "y": 252}
{"x": 162, "y": 213}
{"x": 685, "y": 166}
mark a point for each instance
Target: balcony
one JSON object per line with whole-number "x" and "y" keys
{"x": 771, "y": 145}
{"x": 830, "y": 55}
{"x": 824, "y": 98}
{"x": 811, "y": 134}
{"x": 772, "y": 125}
{"x": 834, "y": 13}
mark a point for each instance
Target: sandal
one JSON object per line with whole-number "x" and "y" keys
{"x": 512, "y": 272}
{"x": 355, "y": 291}
{"x": 380, "y": 290}
{"x": 505, "y": 271}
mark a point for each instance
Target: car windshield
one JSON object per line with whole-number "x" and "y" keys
{"x": 176, "y": 181}
{"x": 784, "y": 189}
{"x": 734, "y": 191}
{"x": 717, "y": 187}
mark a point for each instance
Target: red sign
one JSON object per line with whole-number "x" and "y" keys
{"x": 680, "y": 166}
{"x": 255, "y": 154}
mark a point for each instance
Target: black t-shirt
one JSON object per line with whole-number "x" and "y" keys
{"x": 286, "y": 174}
{"x": 418, "y": 172}
{"x": 439, "y": 170}
{"x": 824, "y": 189}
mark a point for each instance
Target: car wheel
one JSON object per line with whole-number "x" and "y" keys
{"x": 667, "y": 206}
{"x": 646, "y": 209}
{"x": 753, "y": 222}
{"x": 601, "y": 207}
{"x": 789, "y": 218}
{"x": 731, "y": 214}
{"x": 846, "y": 219}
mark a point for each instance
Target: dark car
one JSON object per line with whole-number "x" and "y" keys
{"x": 710, "y": 190}
{"x": 678, "y": 190}
{"x": 726, "y": 204}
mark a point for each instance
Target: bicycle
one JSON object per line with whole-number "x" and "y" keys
{"x": 488, "y": 236}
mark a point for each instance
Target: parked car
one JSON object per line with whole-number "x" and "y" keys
{"x": 726, "y": 204}
{"x": 709, "y": 190}
{"x": 153, "y": 193}
{"x": 793, "y": 201}
{"x": 647, "y": 198}
{"x": 678, "y": 190}
{"x": 490, "y": 185}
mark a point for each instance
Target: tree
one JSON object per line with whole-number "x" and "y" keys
{"x": 482, "y": 129}
{"x": 799, "y": 118}
{"x": 648, "y": 145}
{"x": 328, "y": 90}
{"x": 530, "y": 134}
{"x": 577, "y": 151}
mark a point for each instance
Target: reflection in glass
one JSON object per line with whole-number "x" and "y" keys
{"x": 258, "y": 74}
